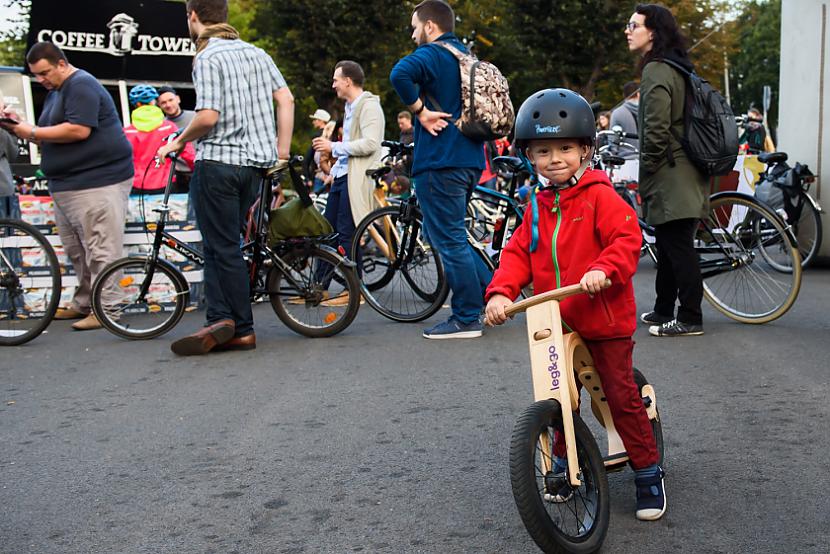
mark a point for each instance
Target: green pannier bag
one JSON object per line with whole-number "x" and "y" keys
{"x": 294, "y": 219}
{"x": 298, "y": 217}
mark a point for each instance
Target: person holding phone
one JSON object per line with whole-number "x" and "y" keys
{"x": 8, "y": 152}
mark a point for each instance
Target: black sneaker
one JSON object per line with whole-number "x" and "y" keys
{"x": 654, "y": 318}
{"x": 675, "y": 328}
{"x": 558, "y": 487}
{"x": 651, "y": 496}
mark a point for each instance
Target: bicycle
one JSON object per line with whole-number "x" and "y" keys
{"x": 401, "y": 274}
{"x": 304, "y": 278}
{"x": 784, "y": 189}
{"x": 560, "y": 364}
{"x": 747, "y": 253}
{"x": 30, "y": 282}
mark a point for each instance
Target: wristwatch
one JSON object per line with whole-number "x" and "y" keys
{"x": 419, "y": 110}
{"x": 32, "y": 137}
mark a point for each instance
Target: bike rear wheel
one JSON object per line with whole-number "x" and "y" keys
{"x": 743, "y": 247}
{"x": 656, "y": 424}
{"x": 30, "y": 282}
{"x": 808, "y": 232}
{"x": 400, "y": 274}
{"x": 319, "y": 296}
{"x": 137, "y": 299}
{"x": 578, "y": 524}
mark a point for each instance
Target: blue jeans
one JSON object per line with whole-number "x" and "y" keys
{"x": 339, "y": 212}
{"x": 443, "y": 196}
{"x": 222, "y": 195}
{"x": 9, "y": 207}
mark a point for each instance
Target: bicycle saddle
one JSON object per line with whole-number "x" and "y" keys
{"x": 613, "y": 160}
{"x": 509, "y": 162}
{"x": 772, "y": 157}
{"x": 378, "y": 172}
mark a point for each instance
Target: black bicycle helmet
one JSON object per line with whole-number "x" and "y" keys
{"x": 554, "y": 113}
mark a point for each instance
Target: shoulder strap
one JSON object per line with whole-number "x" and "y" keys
{"x": 675, "y": 65}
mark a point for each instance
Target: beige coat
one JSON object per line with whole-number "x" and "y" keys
{"x": 364, "y": 147}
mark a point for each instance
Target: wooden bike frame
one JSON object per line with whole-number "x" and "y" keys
{"x": 557, "y": 361}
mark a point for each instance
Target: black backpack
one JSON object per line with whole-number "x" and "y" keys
{"x": 710, "y": 136}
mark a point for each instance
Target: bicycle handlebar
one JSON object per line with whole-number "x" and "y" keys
{"x": 620, "y": 134}
{"x": 398, "y": 147}
{"x": 556, "y": 294}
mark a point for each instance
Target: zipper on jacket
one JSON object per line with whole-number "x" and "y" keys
{"x": 557, "y": 209}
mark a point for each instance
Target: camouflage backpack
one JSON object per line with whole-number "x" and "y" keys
{"x": 486, "y": 110}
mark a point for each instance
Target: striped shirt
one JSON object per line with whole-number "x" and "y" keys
{"x": 237, "y": 80}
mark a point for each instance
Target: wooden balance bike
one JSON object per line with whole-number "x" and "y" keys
{"x": 565, "y": 512}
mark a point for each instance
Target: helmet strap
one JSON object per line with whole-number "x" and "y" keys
{"x": 583, "y": 167}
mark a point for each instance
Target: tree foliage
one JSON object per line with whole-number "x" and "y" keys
{"x": 13, "y": 40}
{"x": 757, "y": 60}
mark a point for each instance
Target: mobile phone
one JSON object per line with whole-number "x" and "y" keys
{"x": 8, "y": 121}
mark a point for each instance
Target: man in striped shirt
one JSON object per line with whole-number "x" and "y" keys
{"x": 236, "y": 86}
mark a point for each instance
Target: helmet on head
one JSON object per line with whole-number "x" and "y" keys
{"x": 554, "y": 114}
{"x": 143, "y": 94}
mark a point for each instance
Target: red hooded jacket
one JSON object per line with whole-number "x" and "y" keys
{"x": 146, "y": 135}
{"x": 581, "y": 228}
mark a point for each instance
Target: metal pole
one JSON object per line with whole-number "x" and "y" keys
{"x": 726, "y": 78}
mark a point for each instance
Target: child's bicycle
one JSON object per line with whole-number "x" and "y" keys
{"x": 560, "y": 363}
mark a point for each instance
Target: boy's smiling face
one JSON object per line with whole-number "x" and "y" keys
{"x": 557, "y": 160}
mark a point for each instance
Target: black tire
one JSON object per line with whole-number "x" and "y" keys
{"x": 750, "y": 265}
{"x": 808, "y": 232}
{"x": 123, "y": 311}
{"x": 310, "y": 309}
{"x": 656, "y": 424}
{"x": 20, "y": 319}
{"x": 409, "y": 288}
{"x": 548, "y": 522}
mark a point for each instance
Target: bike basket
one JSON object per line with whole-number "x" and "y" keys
{"x": 293, "y": 219}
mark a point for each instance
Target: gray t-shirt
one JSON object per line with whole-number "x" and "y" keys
{"x": 183, "y": 119}
{"x": 105, "y": 157}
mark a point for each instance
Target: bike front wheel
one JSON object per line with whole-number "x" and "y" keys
{"x": 314, "y": 292}
{"x": 30, "y": 282}
{"x": 578, "y": 524}
{"x": 137, "y": 299}
{"x": 750, "y": 266}
{"x": 400, "y": 273}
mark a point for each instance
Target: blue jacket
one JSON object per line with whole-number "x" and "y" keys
{"x": 433, "y": 71}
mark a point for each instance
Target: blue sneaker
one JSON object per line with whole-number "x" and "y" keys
{"x": 651, "y": 495}
{"x": 454, "y": 329}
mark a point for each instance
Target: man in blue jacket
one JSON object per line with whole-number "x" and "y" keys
{"x": 446, "y": 164}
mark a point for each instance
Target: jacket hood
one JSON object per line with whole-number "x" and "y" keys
{"x": 678, "y": 57}
{"x": 632, "y": 106}
{"x": 147, "y": 118}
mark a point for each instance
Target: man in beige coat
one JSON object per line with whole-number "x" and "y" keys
{"x": 350, "y": 198}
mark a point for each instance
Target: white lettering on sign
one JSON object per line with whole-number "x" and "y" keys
{"x": 122, "y": 39}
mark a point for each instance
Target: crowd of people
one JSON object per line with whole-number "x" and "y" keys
{"x": 92, "y": 163}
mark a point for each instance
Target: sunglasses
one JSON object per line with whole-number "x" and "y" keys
{"x": 632, "y": 25}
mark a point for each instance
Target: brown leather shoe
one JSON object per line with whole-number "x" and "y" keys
{"x": 247, "y": 342}
{"x": 205, "y": 339}
{"x": 69, "y": 313}
{"x": 87, "y": 324}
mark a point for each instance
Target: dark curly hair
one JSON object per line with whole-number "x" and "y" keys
{"x": 667, "y": 40}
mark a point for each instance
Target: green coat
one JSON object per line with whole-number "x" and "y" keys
{"x": 668, "y": 193}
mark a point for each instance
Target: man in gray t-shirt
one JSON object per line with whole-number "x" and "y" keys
{"x": 171, "y": 104}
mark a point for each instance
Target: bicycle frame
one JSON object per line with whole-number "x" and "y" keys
{"x": 557, "y": 362}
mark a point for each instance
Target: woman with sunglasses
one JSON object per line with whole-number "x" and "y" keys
{"x": 674, "y": 192}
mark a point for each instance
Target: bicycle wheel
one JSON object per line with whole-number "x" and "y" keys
{"x": 656, "y": 424}
{"x": 30, "y": 282}
{"x": 743, "y": 247}
{"x": 579, "y": 524}
{"x": 400, "y": 274}
{"x": 808, "y": 231}
{"x": 135, "y": 299}
{"x": 320, "y": 295}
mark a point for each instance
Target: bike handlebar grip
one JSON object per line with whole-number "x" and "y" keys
{"x": 631, "y": 136}
{"x": 556, "y": 294}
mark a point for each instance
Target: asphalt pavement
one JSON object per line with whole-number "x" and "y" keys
{"x": 380, "y": 441}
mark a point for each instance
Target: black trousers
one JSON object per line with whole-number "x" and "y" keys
{"x": 678, "y": 271}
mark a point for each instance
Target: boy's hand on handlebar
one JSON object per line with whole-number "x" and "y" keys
{"x": 593, "y": 281}
{"x": 494, "y": 313}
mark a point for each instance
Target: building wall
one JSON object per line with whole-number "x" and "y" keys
{"x": 804, "y": 99}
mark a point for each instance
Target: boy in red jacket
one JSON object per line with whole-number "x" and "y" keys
{"x": 580, "y": 231}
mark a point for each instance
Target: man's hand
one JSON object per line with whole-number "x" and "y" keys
{"x": 433, "y": 122}
{"x": 321, "y": 144}
{"x": 494, "y": 313}
{"x": 593, "y": 281}
{"x": 173, "y": 146}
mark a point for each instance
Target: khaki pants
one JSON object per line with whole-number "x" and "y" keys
{"x": 91, "y": 226}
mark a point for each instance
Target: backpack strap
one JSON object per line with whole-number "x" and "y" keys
{"x": 458, "y": 56}
{"x": 686, "y": 76}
